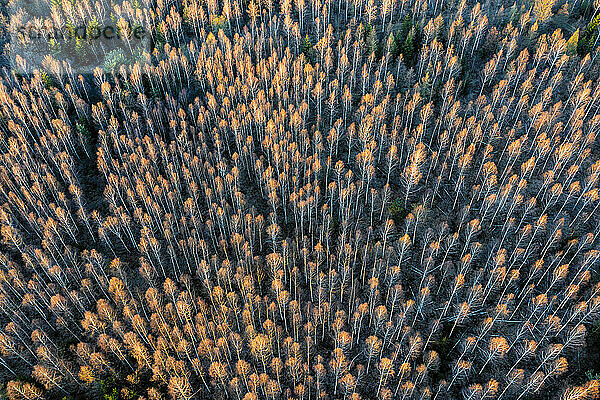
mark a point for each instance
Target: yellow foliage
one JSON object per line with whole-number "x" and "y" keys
{"x": 218, "y": 21}
{"x": 572, "y": 43}
{"x": 86, "y": 374}
{"x": 542, "y": 10}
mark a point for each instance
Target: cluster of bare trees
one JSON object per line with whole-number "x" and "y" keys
{"x": 240, "y": 215}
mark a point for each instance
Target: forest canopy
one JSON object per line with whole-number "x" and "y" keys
{"x": 307, "y": 199}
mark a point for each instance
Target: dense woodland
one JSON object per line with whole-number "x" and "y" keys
{"x": 310, "y": 199}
